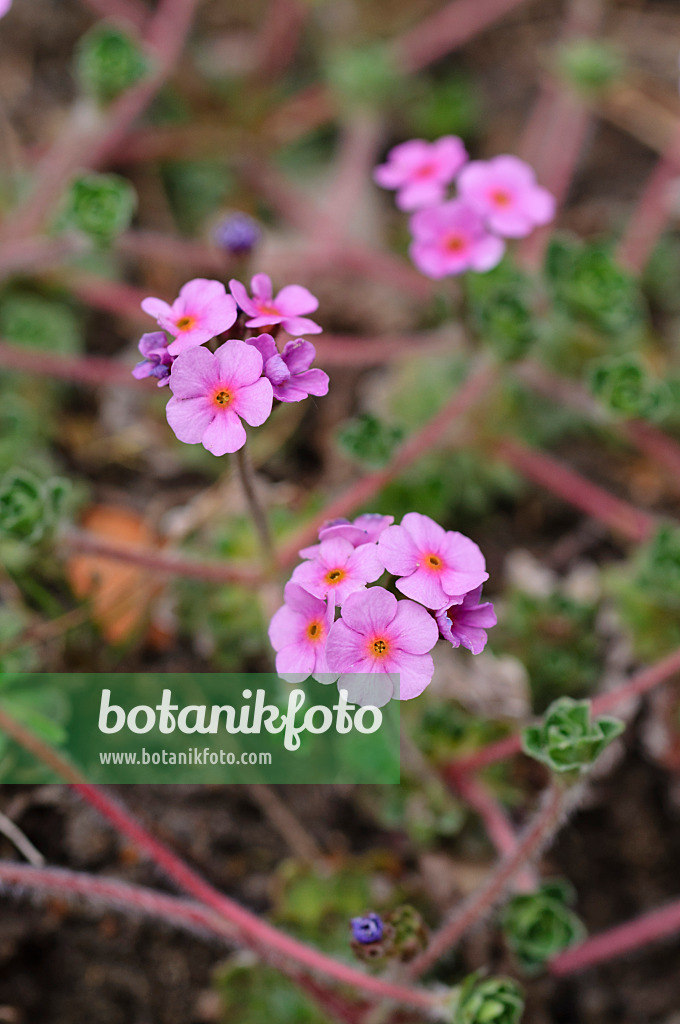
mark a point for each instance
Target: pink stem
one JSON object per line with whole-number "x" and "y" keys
{"x": 132, "y": 11}
{"x": 258, "y": 935}
{"x": 657, "y": 445}
{"x": 651, "y": 927}
{"x": 279, "y": 37}
{"x": 358, "y": 154}
{"x": 617, "y": 514}
{"x": 429, "y": 436}
{"x": 92, "y": 370}
{"x": 652, "y": 211}
{"x": 480, "y": 798}
{"x": 91, "y": 144}
{"x": 605, "y": 703}
{"x": 132, "y": 899}
{"x": 446, "y": 30}
{"x": 163, "y": 563}
{"x": 473, "y": 910}
{"x": 664, "y": 450}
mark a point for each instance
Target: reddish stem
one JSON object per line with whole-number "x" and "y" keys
{"x": 640, "y": 684}
{"x": 429, "y": 436}
{"x": 480, "y": 798}
{"x": 258, "y": 935}
{"x": 446, "y": 30}
{"x": 130, "y": 899}
{"x": 163, "y": 563}
{"x": 652, "y": 211}
{"x": 542, "y": 469}
{"x": 92, "y": 370}
{"x": 279, "y": 37}
{"x": 653, "y": 442}
{"x": 473, "y": 910}
{"x": 624, "y": 938}
{"x": 89, "y": 143}
{"x": 136, "y": 13}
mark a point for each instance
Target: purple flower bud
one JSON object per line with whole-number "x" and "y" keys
{"x": 367, "y": 929}
{"x": 237, "y": 233}
{"x": 157, "y": 361}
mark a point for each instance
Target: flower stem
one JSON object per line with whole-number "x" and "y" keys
{"x": 658, "y": 924}
{"x": 445, "y": 30}
{"x": 605, "y": 703}
{"x": 257, "y": 512}
{"x": 652, "y": 211}
{"x": 285, "y": 952}
{"x": 473, "y": 910}
{"x": 542, "y": 469}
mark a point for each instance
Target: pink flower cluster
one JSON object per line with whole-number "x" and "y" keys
{"x": 496, "y": 199}
{"x": 376, "y": 645}
{"x": 212, "y": 392}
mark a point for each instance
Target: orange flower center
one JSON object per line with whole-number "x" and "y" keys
{"x": 378, "y": 647}
{"x": 335, "y": 576}
{"x": 433, "y": 562}
{"x": 185, "y": 323}
{"x": 223, "y": 398}
{"x": 501, "y": 198}
{"x": 315, "y": 630}
{"x": 454, "y": 243}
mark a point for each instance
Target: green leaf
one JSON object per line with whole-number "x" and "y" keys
{"x": 108, "y": 62}
{"x": 567, "y": 740}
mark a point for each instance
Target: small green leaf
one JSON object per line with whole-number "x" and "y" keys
{"x": 568, "y": 740}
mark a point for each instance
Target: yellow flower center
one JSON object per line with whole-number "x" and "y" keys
{"x": 501, "y": 198}
{"x": 223, "y": 398}
{"x": 379, "y": 647}
{"x": 335, "y": 576}
{"x": 185, "y": 323}
{"x": 315, "y": 630}
{"x": 454, "y": 243}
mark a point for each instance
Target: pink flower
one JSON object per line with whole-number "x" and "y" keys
{"x": 202, "y": 311}
{"x": 365, "y": 529}
{"x": 437, "y": 567}
{"x": 298, "y": 632}
{"x": 505, "y": 193}
{"x": 286, "y": 308}
{"x": 467, "y": 623}
{"x": 157, "y": 361}
{"x": 289, "y": 371}
{"x": 212, "y": 392}
{"x": 421, "y": 170}
{"x": 4, "y": 7}
{"x": 339, "y": 569}
{"x": 386, "y": 638}
{"x": 452, "y": 238}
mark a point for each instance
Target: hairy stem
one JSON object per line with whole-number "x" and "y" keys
{"x": 284, "y": 952}
{"x": 624, "y": 938}
{"x": 542, "y": 469}
{"x": 640, "y": 684}
{"x": 473, "y": 910}
{"x": 652, "y": 211}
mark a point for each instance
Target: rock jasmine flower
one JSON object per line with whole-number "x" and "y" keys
{"x": 213, "y": 392}
{"x": 289, "y": 371}
{"x": 287, "y": 308}
{"x": 339, "y": 569}
{"x": 384, "y": 642}
{"x": 157, "y": 361}
{"x": 299, "y": 633}
{"x": 437, "y": 567}
{"x": 466, "y": 623}
{"x": 505, "y": 193}
{"x": 420, "y": 171}
{"x": 452, "y": 238}
{"x": 202, "y": 311}
{"x": 365, "y": 529}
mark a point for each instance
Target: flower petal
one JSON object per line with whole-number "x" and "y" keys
{"x": 194, "y": 374}
{"x": 225, "y": 434}
{"x": 294, "y": 300}
{"x": 370, "y": 611}
{"x": 254, "y": 402}
{"x": 189, "y": 418}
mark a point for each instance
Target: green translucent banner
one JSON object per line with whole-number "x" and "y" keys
{"x": 195, "y": 728}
